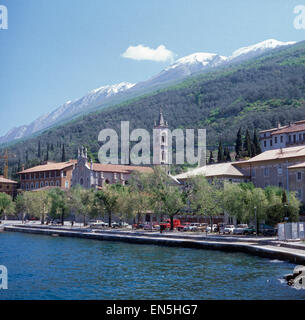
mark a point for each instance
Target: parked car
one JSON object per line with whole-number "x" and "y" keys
{"x": 151, "y": 226}
{"x": 266, "y": 230}
{"x": 228, "y": 229}
{"x": 250, "y": 230}
{"x": 214, "y": 228}
{"x": 192, "y": 227}
{"x": 138, "y": 226}
{"x": 221, "y": 227}
{"x": 124, "y": 224}
{"x": 115, "y": 225}
{"x": 203, "y": 227}
{"x": 182, "y": 226}
{"x": 167, "y": 224}
{"x": 240, "y": 229}
{"x": 99, "y": 223}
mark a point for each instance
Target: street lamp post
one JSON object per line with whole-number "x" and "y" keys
{"x": 255, "y": 221}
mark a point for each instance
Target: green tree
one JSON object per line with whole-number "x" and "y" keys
{"x": 39, "y": 150}
{"x": 63, "y": 154}
{"x": 247, "y": 145}
{"x": 238, "y": 145}
{"x": 206, "y": 198}
{"x": 211, "y": 158}
{"x": 6, "y": 204}
{"x": 220, "y": 154}
{"x": 256, "y": 144}
{"x": 108, "y": 200}
{"x": 59, "y": 205}
{"x": 227, "y": 155}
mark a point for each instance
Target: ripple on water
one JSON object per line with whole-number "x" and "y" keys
{"x": 42, "y": 267}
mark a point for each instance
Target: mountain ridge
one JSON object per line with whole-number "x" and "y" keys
{"x": 180, "y": 69}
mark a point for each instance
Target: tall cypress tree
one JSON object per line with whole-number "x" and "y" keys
{"x": 238, "y": 144}
{"x": 47, "y": 155}
{"x": 39, "y": 150}
{"x": 211, "y": 158}
{"x": 63, "y": 155}
{"x": 227, "y": 155}
{"x": 247, "y": 145}
{"x": 220, "y": 155}
{"x": 256, "y": 144}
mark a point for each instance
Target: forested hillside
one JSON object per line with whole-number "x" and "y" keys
{"x": 256, "y": 94}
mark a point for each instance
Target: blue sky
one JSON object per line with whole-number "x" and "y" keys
{"x": 55, "y": 51}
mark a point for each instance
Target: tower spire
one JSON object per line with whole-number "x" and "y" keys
{"x": 161, "y": 118}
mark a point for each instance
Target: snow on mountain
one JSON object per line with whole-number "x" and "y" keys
{"x": 183, "y": 67}
{"x": 67, "y": 111}
{"x": 258, "y": 48}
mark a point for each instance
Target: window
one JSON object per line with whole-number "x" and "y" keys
{"x": 47, "y": 174}
{"x": 57, "y": 183}
{"x": 163, "y": 139}
{"x": 271, "y": 143}
{"x": 275, "y": 140}
{"x": 46, "y": 184}
{"x": 294, "y": 138}
{"x": 41, "y": 184}
{"x": 289, "y": 139}
{"x": 279, "y": 170}
{"x": 281, "y": 139}
{"x": 266, "y": 172}
{"x": 37, "y": 185}
{"x": 81, "y": 181}
{"x": 280, "y": 184}
{"x": 253, "y": 173}
{"x": 32, "y": 186}
{"x": 27, "y": 186}
{"x": 299, "y": 193}
{"x": 65, "y": 173}
{"x": 163, "y": 156}
{"x": 299, "y": 176}
{"x": 67, "y": 184}
{"x": 265, "y": 144}
{"x": 52, "y": 183}
{"x": 300, "y": 137}
{"x": 22, "y": 186}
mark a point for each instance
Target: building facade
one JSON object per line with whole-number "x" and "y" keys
{"x": 283, "y": 136}
{"x": 8, "y": 186}
{"x": 97, "y": 175}
{"x": 49, "y": 174}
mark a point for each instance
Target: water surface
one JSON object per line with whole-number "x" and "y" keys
{"x": 43, "y": 267}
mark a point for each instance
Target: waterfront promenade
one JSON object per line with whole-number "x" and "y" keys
{"x": 261, "y": 246}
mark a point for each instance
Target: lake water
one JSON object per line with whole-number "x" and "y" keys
{"x": 43, "y": 267}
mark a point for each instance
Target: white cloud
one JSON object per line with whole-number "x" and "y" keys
{"x": 140, "y": 52}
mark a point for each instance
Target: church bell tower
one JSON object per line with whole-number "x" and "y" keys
{"x": 161, "y": 155}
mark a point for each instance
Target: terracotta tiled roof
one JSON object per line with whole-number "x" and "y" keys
{"x": 4, "y": 180}
{"x": 273, "y": 129}
{"x": 275, "y": 154}
{"x": 50, "y": 166}
{"x": 213, "y": 170}
{"x": 119, "y": 168}
{"x": 295, "y": 127}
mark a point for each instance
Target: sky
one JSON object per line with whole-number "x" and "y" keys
{"x": 56, "y": 51}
